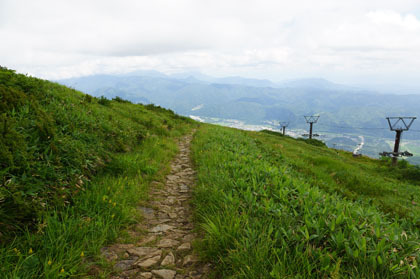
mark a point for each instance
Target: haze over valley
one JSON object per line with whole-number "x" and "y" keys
{"x": 346, "y": 112}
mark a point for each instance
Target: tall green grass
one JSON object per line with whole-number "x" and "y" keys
{"x": 66, "y": 241}
{"x": 263, "y": 219}
{"x": 53, "y": 140}
{"x": 395, "y": 190}
{"x": 72, "y": 170}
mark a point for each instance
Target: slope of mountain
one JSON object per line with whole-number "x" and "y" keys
{"x": 45, "y": 122}
{"x": 73, "y": 169}
{"x": 275, "y": 207}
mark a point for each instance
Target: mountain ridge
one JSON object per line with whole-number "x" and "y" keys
{"x": 253, "y": 104}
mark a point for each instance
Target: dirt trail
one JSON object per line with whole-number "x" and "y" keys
{"x": 164, "y": 249}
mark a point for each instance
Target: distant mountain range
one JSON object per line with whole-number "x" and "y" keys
{"x": 257, "y": 101}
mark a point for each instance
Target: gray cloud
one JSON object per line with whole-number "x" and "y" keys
{"x": 341, "y": 40}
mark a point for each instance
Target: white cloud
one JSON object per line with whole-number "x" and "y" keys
{"x": 392, "y": 19}
{"x": 341, "y": 40}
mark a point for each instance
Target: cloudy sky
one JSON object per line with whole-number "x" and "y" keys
{"x": 354, "y": 42}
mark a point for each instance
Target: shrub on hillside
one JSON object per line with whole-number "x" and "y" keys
{"x": 120, "y": 100}
{"x": 104, "y": 101}
{"x": 411, "y": 173}
{"x": 274, "y": 133}
{"x": 314, "y": 142}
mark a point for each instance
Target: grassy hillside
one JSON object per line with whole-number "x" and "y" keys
{"x": 72, "y": 168}
{"x": 394, "y": 190}
{"x": 275, "y": 207}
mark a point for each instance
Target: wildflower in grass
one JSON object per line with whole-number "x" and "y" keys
{"x": 62, "y": 270}
{"x": 82, "y": 254}
{"x": 16, "y": 251}
{"x": 104, "y": 198}
{"x": 110, "y": 201}
{"x": 113, "y": 215}
{"x": 114, "y": 204}
{"x": 49, "y": 262}
{"x": 30, "y": 251}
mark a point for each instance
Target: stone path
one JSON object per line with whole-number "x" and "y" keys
{"x": 164, "y": 248}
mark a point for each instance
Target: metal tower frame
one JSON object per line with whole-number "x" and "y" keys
{"x": 283, "y": 126}
{"x": 399, "y": 125}
{"x": 311, "y": 120}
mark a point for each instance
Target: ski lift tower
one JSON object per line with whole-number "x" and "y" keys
{"x": 398, "y": 124}
{"x": 283, "y": 126}
{"x": 311, "y": 120}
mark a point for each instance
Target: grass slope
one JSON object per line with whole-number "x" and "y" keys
{"x": 73, "y": 169}
{"x": 394, "y": 190}
{"x": 265, "y": 216}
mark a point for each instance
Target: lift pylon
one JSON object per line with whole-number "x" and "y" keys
{"x": 398, "y": 124}
{"x": 311, "y": 120}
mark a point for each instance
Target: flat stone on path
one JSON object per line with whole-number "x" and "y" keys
{"x": 161, "y": 228}
{"x": 149, "y": 262}
{"x": 168, "y": 260}
{"x": 168, "y": 243}
{"x": 172, "y": 215}
{"x": 147, "y": 240}
{"x": 130, "y": 273}
{"x": 184, "y": 247}
{"x": 183, "y": 188}
{"x": 124, "y": 265}
{"x": 164, "y": 273}
{"x": 143, "y": 252}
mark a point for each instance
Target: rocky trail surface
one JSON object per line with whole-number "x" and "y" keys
{"x": 165, "y": 235}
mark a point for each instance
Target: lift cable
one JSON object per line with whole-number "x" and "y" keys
{"x": 348, "y": 127}
{"x": 363, "y": 128}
